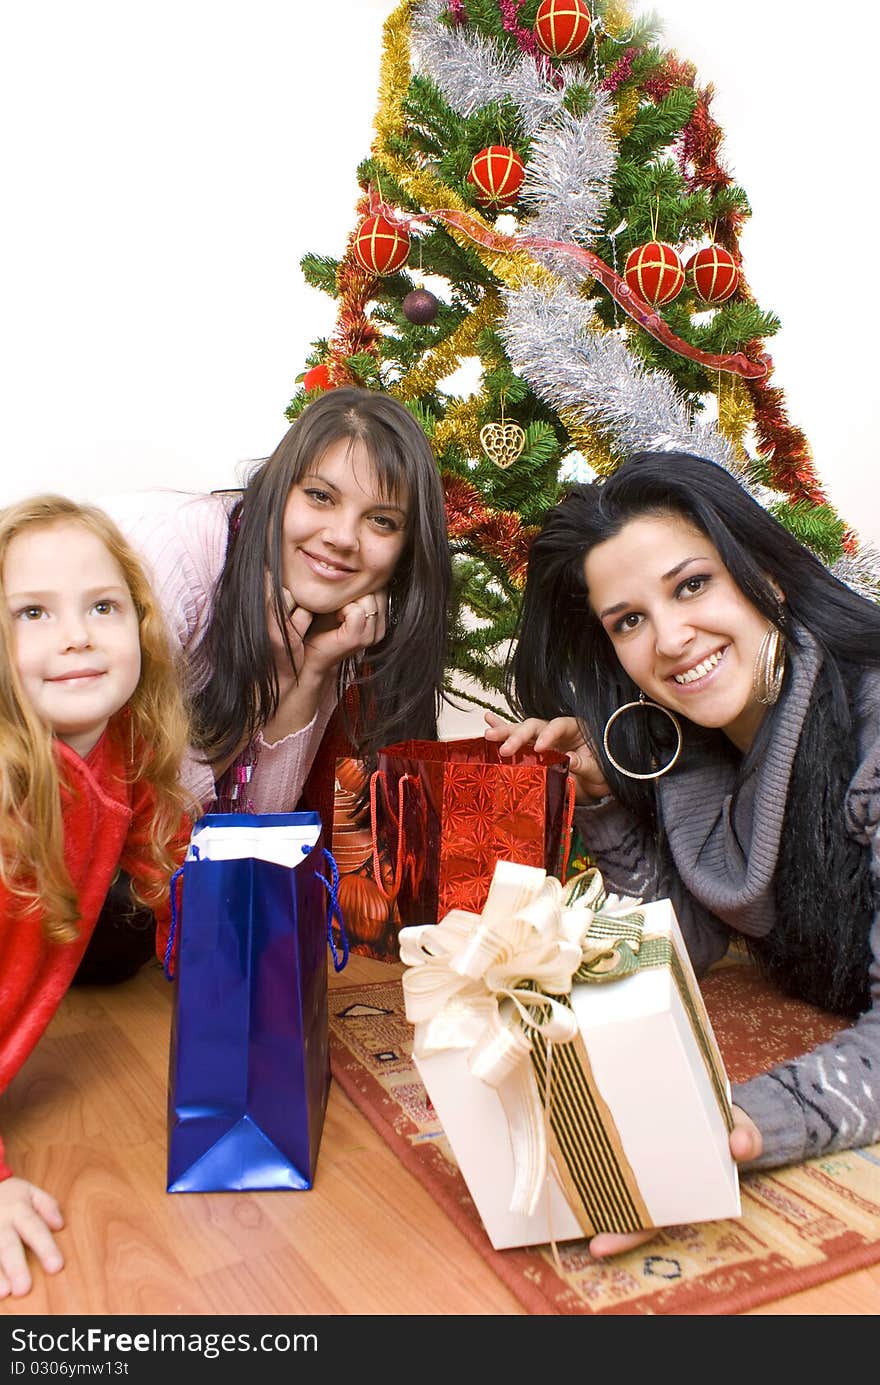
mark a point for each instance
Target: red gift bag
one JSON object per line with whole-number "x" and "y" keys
{"x": 335, "y": 784}
{"x": 366, "y": 890}
{"x": 442, "y": 813}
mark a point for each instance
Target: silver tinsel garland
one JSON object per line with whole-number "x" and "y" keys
{"x": 568, "y": 177}
{"x": 552, "y": 336}
{"x": 860, "y": 571}
{"x": 552, "y": 340}
{"x": 471, "y": 72}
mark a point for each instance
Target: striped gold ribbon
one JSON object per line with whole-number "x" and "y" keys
{"x": 596, "y": 1175}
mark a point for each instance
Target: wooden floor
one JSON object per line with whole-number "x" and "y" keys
{"x": 86, "y": 1119}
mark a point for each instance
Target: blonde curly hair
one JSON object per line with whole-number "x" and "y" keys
{"x": 152, "y": 729}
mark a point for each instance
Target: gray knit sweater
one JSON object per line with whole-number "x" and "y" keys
{"x": 726, "y": 859}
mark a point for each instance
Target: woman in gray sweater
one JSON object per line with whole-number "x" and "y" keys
{"x": 718, "y": 693}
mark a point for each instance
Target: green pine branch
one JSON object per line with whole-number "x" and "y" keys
{"x": 732, "y": 327}
{"x": 643, "y": 32}
{"x": 656, "y": 125}
{"x": 819, "y": 527}
{"x": 320, "y": 271}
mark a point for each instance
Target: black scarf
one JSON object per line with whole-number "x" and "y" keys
{"x": 826, "y": 896}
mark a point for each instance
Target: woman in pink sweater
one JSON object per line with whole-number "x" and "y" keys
{"x": 329, "y": 571}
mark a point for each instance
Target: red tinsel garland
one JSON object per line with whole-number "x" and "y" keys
{"x": 673, "y": 72}
{"x": 621, "y": 71}
{"x": 499, "y": 533}
{"x": 784, "y": 446}
{"x": 354, "y": 333}
{"x": 698, "y": 147}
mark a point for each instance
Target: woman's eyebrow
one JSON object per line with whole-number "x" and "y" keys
{"x": 674, "y": 571}
{"x": 612, "y": 610}
{"x": 665, "y": 577}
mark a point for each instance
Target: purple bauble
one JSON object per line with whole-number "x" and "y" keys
{"x": 420, "y": 307}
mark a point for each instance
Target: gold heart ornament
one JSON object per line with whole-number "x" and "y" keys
{"x": 502, "y": 442}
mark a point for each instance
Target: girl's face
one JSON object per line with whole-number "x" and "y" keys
{"x": 341, "y": 539}
{"x": 77, "y": 641}
{"x": 679, "y": 624}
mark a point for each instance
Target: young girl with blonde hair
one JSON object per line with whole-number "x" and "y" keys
{"x": 92, "y": 736}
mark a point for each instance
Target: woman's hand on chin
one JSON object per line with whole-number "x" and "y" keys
{"x": 342, "y": 634}
{"x": 319, "y": 643}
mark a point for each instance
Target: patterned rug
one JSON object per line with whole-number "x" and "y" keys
{"x": 800, "y": 1225}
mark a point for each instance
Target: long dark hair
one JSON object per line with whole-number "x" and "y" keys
{"x": 401, "y": 685}
{"x": 564, "y": 662}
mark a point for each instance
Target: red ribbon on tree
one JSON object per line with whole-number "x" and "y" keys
{"x": 634, "y": 306}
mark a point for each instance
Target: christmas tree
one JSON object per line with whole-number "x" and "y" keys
{"x": 545, "y": 267}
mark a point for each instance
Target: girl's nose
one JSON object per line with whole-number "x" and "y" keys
{"x": 75, "y": 633}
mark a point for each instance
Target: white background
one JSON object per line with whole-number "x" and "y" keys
{"x": 165, "y": 165}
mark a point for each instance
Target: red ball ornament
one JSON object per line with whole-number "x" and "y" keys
{"x": 420, "y": 306}
{"x": 562, "y": 27}
{"x": 712, "y": 273}
{"x": 380, "y": 245}
{"x": 496, "y": 173}
{"x": 318, "y": 378}
{"x": 654, "y": 272}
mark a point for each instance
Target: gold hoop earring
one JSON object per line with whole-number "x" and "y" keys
{"x": 769, "y": 667}
{"x": 646, "y": 706}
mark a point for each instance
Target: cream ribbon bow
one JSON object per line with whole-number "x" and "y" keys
{"x": 464, "y": 990}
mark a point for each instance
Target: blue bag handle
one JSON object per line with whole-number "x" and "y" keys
{"x": 333, "y": 911}
{"x": 172, "y": 931}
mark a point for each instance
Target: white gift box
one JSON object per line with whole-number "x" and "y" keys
{"x": 653, "y": 1146}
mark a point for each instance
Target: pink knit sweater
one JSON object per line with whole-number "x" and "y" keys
{"x": 181, "y": 538}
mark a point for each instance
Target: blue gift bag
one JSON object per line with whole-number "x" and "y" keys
{"x": 250, "y": 1067}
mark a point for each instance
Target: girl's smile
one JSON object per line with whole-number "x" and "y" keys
{"x": 681, "y": 628}
{"x": 77, "y": 641}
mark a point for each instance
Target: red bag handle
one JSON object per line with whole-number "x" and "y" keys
{"x": 567, "y": 826}
{"x": 374, "y": 819}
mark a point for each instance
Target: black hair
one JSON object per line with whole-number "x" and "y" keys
{"x": 400, "y": 687}
{"x": 564, "y": 663}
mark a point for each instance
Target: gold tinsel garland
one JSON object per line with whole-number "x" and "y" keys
{"x": 394, "y": 72}
{"x": 428, "y": 191}
{"x": 736, "y": 413}
{"x": 461, "y": 424}
{"x": 590, "y": 443}
{"x": 626, "y": 101}
{"x": 442, "y": 359}
{"x": 513, "y": 269}
{"x": 617, "y": 19}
